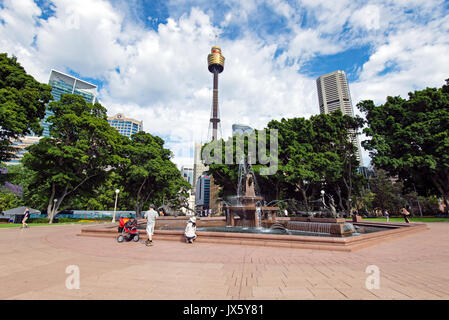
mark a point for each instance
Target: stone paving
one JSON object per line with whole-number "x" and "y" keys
{"x": 34, "y": 261}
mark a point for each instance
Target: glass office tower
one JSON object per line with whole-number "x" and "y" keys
{"x": 62, "y": 83}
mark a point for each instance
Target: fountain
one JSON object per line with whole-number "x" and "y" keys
{"x": 249, "y": 206}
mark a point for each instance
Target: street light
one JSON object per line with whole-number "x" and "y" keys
{"x": 54, "y": 205}
{"x": 115, "y": 206}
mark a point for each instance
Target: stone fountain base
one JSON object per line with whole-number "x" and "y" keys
{"x": 333, "y": 226}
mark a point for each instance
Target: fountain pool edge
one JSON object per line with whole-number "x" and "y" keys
{"x": 289, "y": 241}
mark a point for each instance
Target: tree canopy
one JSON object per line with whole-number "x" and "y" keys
{"x": 410, "y": 138}
{"x": 81, "y": 151}
{"x": 313, "y": 154}
{"x": 150, "y": 176}
{"x": 22, "y": 104}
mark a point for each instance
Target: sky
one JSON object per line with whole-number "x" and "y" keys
{"x": 149, "y": 58}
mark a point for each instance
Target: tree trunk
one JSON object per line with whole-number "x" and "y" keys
{"x": 340, "y": 200}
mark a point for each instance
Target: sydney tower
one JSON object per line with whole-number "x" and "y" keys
{"x": 215, "y": 61}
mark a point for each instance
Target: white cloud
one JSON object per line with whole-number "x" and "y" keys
{"x": 368, "y": 17}
{"x": 160, "y": 76}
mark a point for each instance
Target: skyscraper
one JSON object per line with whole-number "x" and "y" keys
{"x": 198, "y": 165}
{"x": 62, "y": 83}
{"x": 241, "y": 129}
{"x": 187, "y": 173}
{"x": 333, "y": 95}
{"x": 202, "y": 194}
{"x": 125, "y": 126}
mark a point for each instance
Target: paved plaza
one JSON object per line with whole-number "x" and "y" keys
{"x": 34, "y": 263}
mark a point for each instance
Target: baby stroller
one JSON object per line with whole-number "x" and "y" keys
{"x": 128, "y": 230}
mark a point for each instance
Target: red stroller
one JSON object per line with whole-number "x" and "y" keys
{"x": 128, "y": 230}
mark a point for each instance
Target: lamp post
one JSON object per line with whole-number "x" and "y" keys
{"x": 53, "y": 210}
{"x": 115, "y": 205}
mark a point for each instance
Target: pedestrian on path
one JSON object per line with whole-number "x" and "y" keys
{"x": 190, "y": 231}
{"x": 25, "y": 218}
{"x": 405, "y": 213}
{"x": 150, "y": 216}
{"x": 387, "y": 215}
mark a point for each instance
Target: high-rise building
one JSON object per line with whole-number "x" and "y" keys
{"x": 198, "y": 166}
{"x": 202, "y": 194}
{"x": 241, "y": 129}
{"x": 333, "y": 95}
{"x": 187, "y": 173}
{"x": 21, "y": 144}
{"x": 62, "y": 83}
{"x": 125, "y": 126}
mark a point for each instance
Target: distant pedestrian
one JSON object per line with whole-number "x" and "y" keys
{"x": 405, "y": 213}
{"x": 286, "y": 212}
{"x": 150, "y": 216}
{"x": 387, "y": 215}
{"x": 25, "y": 218}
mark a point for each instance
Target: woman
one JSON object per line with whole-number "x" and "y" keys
{"x": 25, "y": 218}
{"x": 405, "y": 213}
{"x": 190, "y": 231}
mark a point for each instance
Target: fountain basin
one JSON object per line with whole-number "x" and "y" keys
{"x": 385, "y": 232}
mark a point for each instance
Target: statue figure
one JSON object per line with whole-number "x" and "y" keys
{"x": 250, "y": 185}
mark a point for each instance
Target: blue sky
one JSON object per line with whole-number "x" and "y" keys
{"x": 148, "y": 58}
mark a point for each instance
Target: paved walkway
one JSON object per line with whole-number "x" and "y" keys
{"x": 34, "y": 261}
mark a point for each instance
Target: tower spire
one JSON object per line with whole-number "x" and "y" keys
{"x": 215, "y": 61}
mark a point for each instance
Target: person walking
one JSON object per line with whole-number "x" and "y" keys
{"x": 405, "y": 213}
{"x": 387, "y": 215}
{"x": 190, "y": 231}
{"x": 150, "y": 216}
{"x": 25, "y": 218}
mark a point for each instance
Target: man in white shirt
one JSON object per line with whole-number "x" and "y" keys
{"x": 150, "y": 216}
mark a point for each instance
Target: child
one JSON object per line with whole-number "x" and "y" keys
{"x": 190, "y": 231}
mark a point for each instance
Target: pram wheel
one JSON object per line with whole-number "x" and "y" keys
{"x": 120, "y": 238}
{"x": 136, "y": 238}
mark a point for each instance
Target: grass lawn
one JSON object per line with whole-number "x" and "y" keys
{"x": 412, "y": 219}
{"x": 18, "y": 225}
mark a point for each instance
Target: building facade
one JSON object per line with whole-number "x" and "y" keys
{"x": 62, "y": 83}
{"x": 333, "y": 95}
{"x": 198, "y": 166}
{"x": 125, "y": 126}
{"x": 187, "y": 174}
{"x": 241, "y": 129}
{"x": 21, "y": 144}
{"x": 202, "y": 194}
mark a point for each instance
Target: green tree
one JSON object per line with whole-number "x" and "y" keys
{"x": 150, "y": 176}
{"x": 313, "y": 153}
{"x": 410, "y": 139}
{"x": 82, "y": 150}
{"x": 387, "y": 192}
{"x": 22, "y": 104}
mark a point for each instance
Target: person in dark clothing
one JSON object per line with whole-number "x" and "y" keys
{"x": 405, "y": 213}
